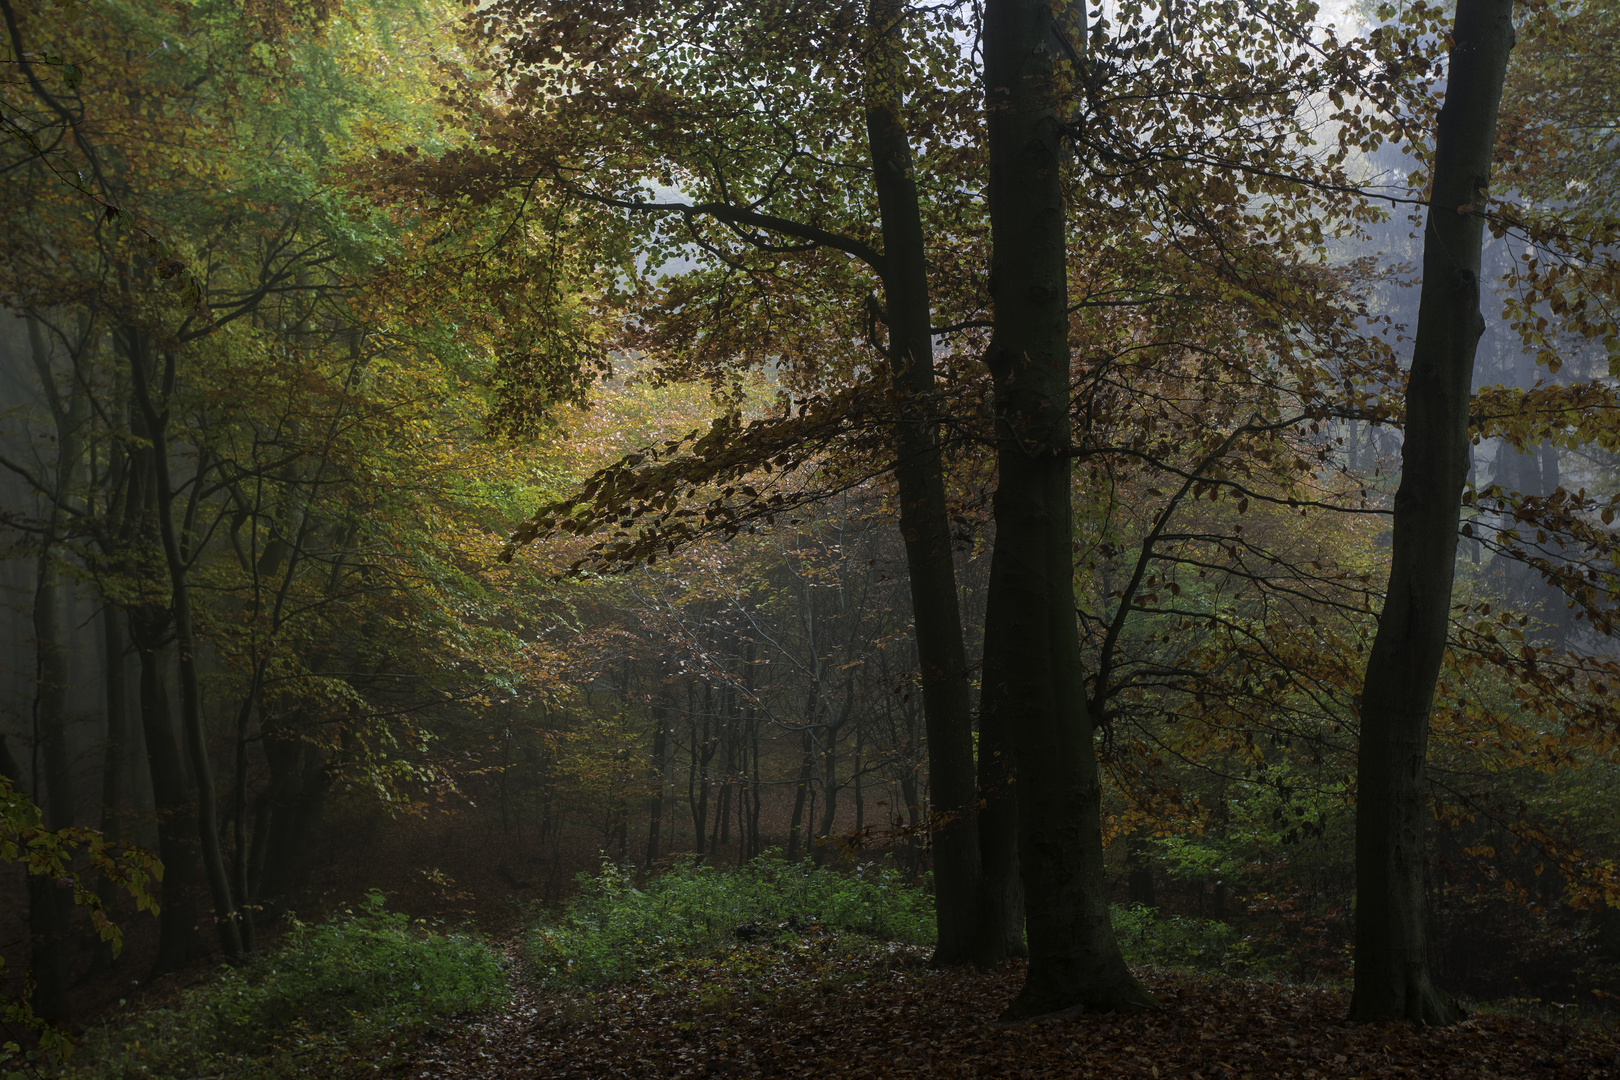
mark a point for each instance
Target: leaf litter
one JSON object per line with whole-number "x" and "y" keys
{"x": 824, "y": 1006}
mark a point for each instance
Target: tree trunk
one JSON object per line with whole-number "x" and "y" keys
{"x": 1392, "y": 969}
{"x": 48, "y": 906}
{"x": 755, "y": 845}
{"x": 858, "y": 780}
{"x": 659, "y": 775}
{"x": 829, "y": 794}
{"x": 914, "y": 848}
{"x": 1002, "y": 903}
{"x": 924, "y": 522}
{"x": 1039, "y": 696}
{"x": 274, "y": 809}
{"x": 701, "y": 755}
{"x": 174, "y": 799}
{"x": 191, "y": 721}
{"x": 113, "y": 751}
{"x": 295, "y": 821}
{"x": 806, "y": 771}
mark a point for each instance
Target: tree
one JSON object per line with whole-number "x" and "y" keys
{"x": 1392, "y": 977}
{"x": 1033, "y": 686}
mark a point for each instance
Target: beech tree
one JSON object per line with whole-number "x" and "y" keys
{"x": 1392, "y": 976}
{"x": 1033, "y": 682}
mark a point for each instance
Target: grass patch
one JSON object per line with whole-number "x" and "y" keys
{"x": 363, "y": 976}
{"x": 617, "y": 927}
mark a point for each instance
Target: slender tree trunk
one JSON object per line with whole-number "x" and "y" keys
{"x": 1040, "y": 696}
{"x": 829, "y": 793}
{"x": 702, "y": 754}
{"x": 720, "y": 838}
{"x": 1392, "y": 969}
{"x": 296, "y": 820}
{"x": 227, "y": 920}
{"x": 858, "y": 780}
{"x": 914, "y": 848}
{"x": 275, "y": 810}
{"x": 48, "y": 908}
{"x": 800, "y": 792}
{"x": 755, "y": 845}
{"x": 749, "y": 842}
{"x": 239, "y": 812}
{"x": 655, "y": 804}
{"x": 174, "y": 799}
{"x": 924, "y": 520}
{"x": 116, "y": 691}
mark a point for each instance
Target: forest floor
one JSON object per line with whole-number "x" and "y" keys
{"x": 821, "y": 1008}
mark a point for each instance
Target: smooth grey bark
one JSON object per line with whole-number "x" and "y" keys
{"x": 924, "y": 520}
{"x": 1031, "y": 637}
{"x": 1391, "y": 966}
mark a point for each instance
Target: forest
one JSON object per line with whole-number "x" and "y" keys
{"x": 665, "y": 538}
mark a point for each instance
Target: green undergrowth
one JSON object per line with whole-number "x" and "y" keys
{"x": 304, "y": 1008}
{"x": 1181, "y": 943}
{"x": 619, "y": 926}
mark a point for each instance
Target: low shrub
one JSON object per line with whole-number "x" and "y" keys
{"x": 361, "y": 976}
{"x": 1178, "y": 941}
{"x": 616, "y": 926}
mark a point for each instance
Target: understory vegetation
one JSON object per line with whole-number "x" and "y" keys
{"x": 367, "y": 977}
{"x": 618, "y": 925}
{"x": 370, "y": 982}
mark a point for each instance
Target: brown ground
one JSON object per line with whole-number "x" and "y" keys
{"x": 814, "y": 1013}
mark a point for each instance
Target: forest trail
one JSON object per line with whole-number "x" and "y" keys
{"x": 820, "y": 1011}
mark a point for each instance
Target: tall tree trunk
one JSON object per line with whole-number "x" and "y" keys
{"x": 924, "y": 521}
{"x": 658, "y": 774}
{"x": 1040, "y": 696}
{"x": 755, "y": 845}
{"x": 800, "y": 792}
{"x": 1392, "y": 969}
{"x": 174, "y": 800}
{"x": 1003, "y": 889}
{"x": 116, "y": 692}
{"x": 702, "y": 754}
{"x": 914, "y": 849}
{"x": 225, "y": 914}
{"x": 829, "y": 793}
{"x": 48, "y": 906}
{"x": 275, "y": 808}
{"x": 720, "y": 837}
{"x": 749, "y": 844}
{"x": 858, "y": 780}
{"x": 239, "y": 812}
